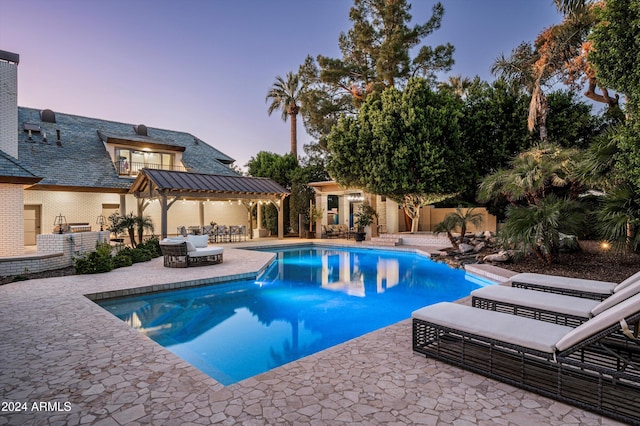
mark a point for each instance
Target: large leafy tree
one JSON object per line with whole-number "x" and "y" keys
{"x": 616, "y": 51}
{"x": 575, "y": 61}
{"x": 493, "y": 130}
{"x": 274, "y": 166}
{"x": 381, "y": 50}
{"x": 402, "y": 144}
{"x": 614, "y": 56}
{"x": 279, "y": 168}
{"x": 293, "y": 174}
{"x": 284, "y": 95}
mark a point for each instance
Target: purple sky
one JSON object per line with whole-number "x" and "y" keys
{"x": 205, "y": 66}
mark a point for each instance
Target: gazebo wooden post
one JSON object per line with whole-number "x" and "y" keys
{"x": 280, "y": 207}
{"x": 201, "y": 214}
{"x": 163, "y": 216}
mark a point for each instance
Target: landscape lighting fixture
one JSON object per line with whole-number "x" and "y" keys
{"x": 60, "y": 221}
{"x": 101, "y": 221}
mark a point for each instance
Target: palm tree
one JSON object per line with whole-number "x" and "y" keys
{"x": 143, "y": 223}
{"x": 529, "y": 71}
{"x": 457, "y": 85}
{"x": 572, "y": 7}
{"x": 458, "y": 219}
{"x": 540, "y": 227}
{"x": 285, "y": 95}
{"x": 619, "y": 218}
{"x": 532, "y": 176}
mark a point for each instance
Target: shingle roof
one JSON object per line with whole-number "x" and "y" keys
{"x": 81, "y": 160}
{"x": 168, "y": 180}
{"x": 12, "y": 171}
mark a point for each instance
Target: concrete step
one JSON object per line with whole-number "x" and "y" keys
{"x": 390, "y": 242}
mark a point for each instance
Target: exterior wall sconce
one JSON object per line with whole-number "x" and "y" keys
{"x": 61, "y": 222}
{"x": 101, "y": 220}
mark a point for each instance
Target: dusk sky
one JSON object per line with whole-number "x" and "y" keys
{"x": 205, "y": 66}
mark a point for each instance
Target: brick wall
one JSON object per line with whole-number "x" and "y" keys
{"x": 12, "y": 214}
{"x": 55, "y": 251}
{"x": 76, "y": 207}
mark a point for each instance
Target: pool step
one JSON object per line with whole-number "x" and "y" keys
{"x": 382, "y": 240}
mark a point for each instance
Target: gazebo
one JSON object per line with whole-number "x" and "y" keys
{"x": 169, "y": 186}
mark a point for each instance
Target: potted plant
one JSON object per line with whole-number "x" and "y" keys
{"x": 315, "y": 214}
{"x": 366, "y": 216}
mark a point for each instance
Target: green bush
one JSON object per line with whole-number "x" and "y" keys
{"x": 95, "y": 262}
{"x": 140, "y": 255}
{"x": 152, "y": 245}
{"x": 102, "y": 259}
{"x": 122, "y": 259}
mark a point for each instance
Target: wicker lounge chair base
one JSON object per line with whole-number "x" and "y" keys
{"x": 542, "y": 306}
{"x": 587, "y": 289}
{"x": 599, "y": 373}
{"x": 177, "y": 256}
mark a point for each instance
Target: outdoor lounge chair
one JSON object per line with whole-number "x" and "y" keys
{"x": 591, "y": 289}
{"x": 545, "y": 306}
{"x": 591, "y": 366}
{"x": 181, "y": 253}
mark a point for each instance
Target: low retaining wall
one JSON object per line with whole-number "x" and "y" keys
{"x": 54, "y": 251}
{"x": 419, "y": 239}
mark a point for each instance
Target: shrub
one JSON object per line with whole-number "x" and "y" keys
{"x": 140, "y": 255}
{"x": 102, "y": 259}
{"x": 152, "y": 245}
{"x": 122, "y": 259}
{"x": 95, "y": 262}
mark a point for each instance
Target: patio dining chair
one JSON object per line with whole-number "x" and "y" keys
{"x": 222, "y": 234}
{"x": 592, "y": 366}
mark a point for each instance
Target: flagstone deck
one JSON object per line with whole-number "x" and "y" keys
{"x": 81, "y": 365}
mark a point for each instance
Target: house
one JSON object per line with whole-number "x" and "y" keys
{"x": 56, "y": 166}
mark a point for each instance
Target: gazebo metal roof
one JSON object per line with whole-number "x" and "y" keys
{"x": 204, "y": 185}
{"x": 162, "y": 184}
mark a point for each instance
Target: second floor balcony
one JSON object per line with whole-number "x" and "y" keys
{"x": 131, "y": 169}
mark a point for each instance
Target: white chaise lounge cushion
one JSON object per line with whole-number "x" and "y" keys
{"x": 526, "y": 332}
{"x": 539, "y": 300}
{"x": 209, "y": 251}
{"x": 632, "y": 279}
{"x": 600, "y": 322}
{"x": 618, "y": 296}
{"x": 554, "y": 281}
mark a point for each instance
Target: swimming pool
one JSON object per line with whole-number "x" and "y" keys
{"x": 309, "y": 299}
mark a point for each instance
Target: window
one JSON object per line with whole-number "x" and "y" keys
{"x": 130, "y": 161}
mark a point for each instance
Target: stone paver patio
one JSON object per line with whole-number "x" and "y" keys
{"x": 81, "y": 365}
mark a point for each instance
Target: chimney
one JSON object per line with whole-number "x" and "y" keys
{"x": 9, "y": 102}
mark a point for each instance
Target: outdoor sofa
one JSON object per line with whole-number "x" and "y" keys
{"x": 551, "y": 307}
{"x": 193, "y": 250}
{"x": 334, "y": 231}
{"x": 592, "y": 366}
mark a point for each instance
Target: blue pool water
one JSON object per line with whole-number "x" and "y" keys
{"x": 310, "y": 299}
